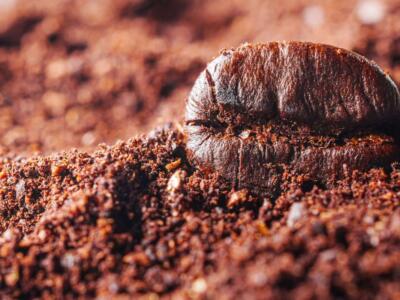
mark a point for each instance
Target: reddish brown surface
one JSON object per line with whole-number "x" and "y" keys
{"x": 137, "y": 218}
{"x": 75, "y": 74}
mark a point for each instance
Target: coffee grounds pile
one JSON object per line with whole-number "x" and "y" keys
{"x": 138, "y": 219}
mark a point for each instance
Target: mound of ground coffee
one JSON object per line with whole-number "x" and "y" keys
{"x": 138, "y": 219}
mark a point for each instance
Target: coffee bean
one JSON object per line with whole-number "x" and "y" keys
{"x": 314, "y": 109}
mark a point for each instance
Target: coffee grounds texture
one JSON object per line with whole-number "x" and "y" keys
{"x": 138, "y": 219}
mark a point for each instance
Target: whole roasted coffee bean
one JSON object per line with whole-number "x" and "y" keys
{"x": 314, "y": 109}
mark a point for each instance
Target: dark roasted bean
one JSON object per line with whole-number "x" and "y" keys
{"x": 313, "y": 109}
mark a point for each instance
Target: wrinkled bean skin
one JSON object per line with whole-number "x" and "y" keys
{"x": 329, "y": 91}
{"x": 318, "y": 85}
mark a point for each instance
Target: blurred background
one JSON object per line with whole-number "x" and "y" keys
{"x": 77, "y": 73}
